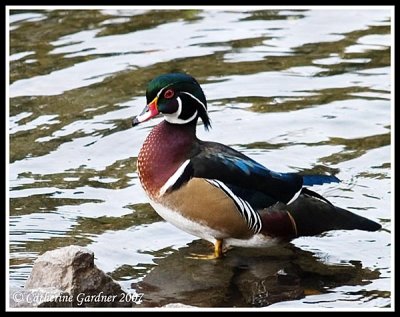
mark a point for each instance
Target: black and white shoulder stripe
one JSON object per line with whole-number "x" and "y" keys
{"x": 180, "y": 177}
{"x": 251, "y": 216}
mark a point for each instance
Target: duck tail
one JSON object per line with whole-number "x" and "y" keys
{"x": 314, "y": 216}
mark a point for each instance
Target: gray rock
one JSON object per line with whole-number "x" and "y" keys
{"x": 71, "y": 270}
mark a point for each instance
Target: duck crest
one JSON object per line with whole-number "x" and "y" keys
{"x": 165, "y": 149}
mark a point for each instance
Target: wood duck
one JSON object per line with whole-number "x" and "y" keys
{"x": 217, "y": 193}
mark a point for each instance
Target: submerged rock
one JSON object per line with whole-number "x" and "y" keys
{"x": 180, "y": 278}
{"x": 71, "y": 279}
{"x": 244, "y": 277}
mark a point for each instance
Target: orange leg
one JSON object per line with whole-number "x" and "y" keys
{"x": 218, "y": 249}
{"x": 216, "y": 255}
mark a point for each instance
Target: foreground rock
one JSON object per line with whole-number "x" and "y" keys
{"x": 67, "y": 277}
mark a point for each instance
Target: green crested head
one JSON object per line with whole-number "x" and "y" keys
{"x": 178, "y": 97}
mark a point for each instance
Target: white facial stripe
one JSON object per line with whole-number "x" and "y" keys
{"x": 172, "y": 180}
{"x": 162, "y": 89}
{"x": 189, "y": 94}
{"x": 191, "y": 118}
{"x": 179, "y": 111}
{"x": 183, "y": 92}
{"x": 174, "y": 117}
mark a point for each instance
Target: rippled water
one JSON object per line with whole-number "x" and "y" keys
{"x": 298, "y": 90}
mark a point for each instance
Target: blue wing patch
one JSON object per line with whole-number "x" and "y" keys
{"x": 310, "y": 180}
{"x": 246, "y": 165}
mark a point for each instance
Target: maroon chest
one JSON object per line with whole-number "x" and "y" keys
{"x": 163, "y": 152}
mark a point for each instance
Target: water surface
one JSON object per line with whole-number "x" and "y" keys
{"x": 297, "y": 90}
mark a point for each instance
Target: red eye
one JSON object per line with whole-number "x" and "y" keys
{"x": 169, "y": 94}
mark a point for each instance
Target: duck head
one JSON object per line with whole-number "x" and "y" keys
{"x": 178, "y": 97}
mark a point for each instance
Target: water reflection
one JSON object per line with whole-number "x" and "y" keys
{"x": 245, "y": 277}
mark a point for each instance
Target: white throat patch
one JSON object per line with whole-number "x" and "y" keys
{"x": 174, "y": 117}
